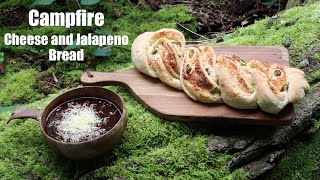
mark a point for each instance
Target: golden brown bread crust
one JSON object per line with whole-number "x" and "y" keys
{"x": 139, "y": 54}
{"x": 236, "y": 87}
{"x": 158, "y": 54}
{"x": 271, "y": 84}
{"x": 298, "y": 85}
{"x": 198, "y": 77}
{"x": 203, "y": 77}
{"x": 166, "y": 63}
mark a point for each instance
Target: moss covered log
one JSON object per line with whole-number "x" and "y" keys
{"x": 301, "y": 160}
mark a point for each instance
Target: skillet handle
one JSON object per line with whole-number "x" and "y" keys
{"x": 26, "y": 112}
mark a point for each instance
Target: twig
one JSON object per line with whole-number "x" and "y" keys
{"x": 241, "y": 28}
{"x": 10, "y": 9}
{"x": 51, "y": 84}
{"x": 195, "y": 42}
{"x": 55, "y": 78}
{"x": 173, "y": 5}
{"x": 81, "y": 8}
{"x": 227, "y": 32}
{"x": 279, "y": 8}
{"x": 183, "y": 2}
{"x": 121, "y": 47}
{"x": 192, "y": 31}
{"x": 79, "y": 4}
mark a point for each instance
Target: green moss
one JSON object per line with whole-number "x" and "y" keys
{"x": 132, "y": 22}
{"x": 23, "y": 150}
{"x": 20, "y": 87}
{"x": 15, "y": 3}
{"x": 26, "y": 4}
{"x": 27, "y": 30}
{"x": 184, "y": 158}
{"x": 301, "y": 161}
{"x": 316, "y": 56}
{"x": 314, "y": 77}
{"x": 297, "y": 28}
{"x": 72, "y": 76}
{"x": 151, "y": 147}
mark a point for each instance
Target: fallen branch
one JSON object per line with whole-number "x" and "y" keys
{"x": 178, "y": 24}
{"x": 269, "y": 140}
{"x": 51, "y": 84}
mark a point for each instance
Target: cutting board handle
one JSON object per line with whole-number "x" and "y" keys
{"x": 93, "y": 78}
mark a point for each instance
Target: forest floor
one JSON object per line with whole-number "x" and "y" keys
{"x": 151, "y": 147}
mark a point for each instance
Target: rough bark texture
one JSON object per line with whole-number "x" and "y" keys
{"x": 257, "y": 156}
{"x": 293, "y": 3}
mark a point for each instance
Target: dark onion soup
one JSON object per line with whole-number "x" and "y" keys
{"x": 82, "y": 119}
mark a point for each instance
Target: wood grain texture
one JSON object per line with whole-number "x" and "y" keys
{"x": 172, "y": 104}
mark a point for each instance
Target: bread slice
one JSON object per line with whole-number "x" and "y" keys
{"x": 159, "y": 54}
{"x": 198, "y": 75}
{"x": 271, "y": 85}
{"x": 139, "y": 55}
{"x": 235, "y": 79}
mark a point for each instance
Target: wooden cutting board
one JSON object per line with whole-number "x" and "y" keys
{"x": 172, "y": 104}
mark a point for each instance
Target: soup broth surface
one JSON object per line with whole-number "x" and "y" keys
{"x": 82, "y": 119}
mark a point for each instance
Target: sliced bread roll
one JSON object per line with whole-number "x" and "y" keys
{"x": 271, "y": 85}
{"x": 198, "y": 75}
{"x": 159, "y": 54}
{"x": 235, "y": 79}
{"x": 139, "y": 54}
{"x": 298, "y": 85}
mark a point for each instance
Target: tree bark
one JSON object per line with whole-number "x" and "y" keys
{"x": 292, "y": 3}
{"x": 268, "y": 142}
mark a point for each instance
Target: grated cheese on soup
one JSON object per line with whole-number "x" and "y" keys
{"x": 79, "y": 121}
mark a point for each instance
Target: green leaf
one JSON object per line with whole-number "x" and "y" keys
{"x": 42, "y": 2}
{"x": 1, "y": 57}
{"x": 226, "y": 37}
{"x": 102, "y": 52}
{"x": 89, "y": 2}
{"x": 34, "y": 50}
{"x": 72, "y": 46}
{"x": 10, "y": 108}
{"x": 270, "y": 3}
{"x": 102, "y": 32}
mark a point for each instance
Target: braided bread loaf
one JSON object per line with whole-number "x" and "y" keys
{"x": 210, "y": 79}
